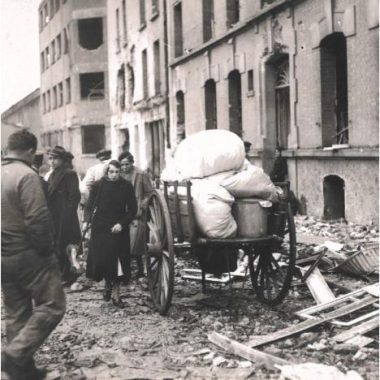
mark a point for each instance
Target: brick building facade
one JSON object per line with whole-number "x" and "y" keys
{"x": 297, "y": 79}
{"x": 74, "y": 77}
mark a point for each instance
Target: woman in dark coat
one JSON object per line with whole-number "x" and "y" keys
{"x": 63, "y": 200}
{"x": 112, "y": 203}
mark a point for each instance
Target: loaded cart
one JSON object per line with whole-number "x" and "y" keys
{"x": 170, "y": 227}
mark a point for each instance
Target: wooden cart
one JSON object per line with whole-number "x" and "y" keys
{"x": 170, "y": 227}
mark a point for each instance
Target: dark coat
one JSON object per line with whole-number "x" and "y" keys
{"x": 63, "y": 200}
{"x": 114, "y": 202}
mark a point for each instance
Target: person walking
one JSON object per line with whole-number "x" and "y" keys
{"x": 111, "y": 207}
{"x": 34, "y": 301}
{"x": 63, "y": 201}
{"x": 143, "y": 187}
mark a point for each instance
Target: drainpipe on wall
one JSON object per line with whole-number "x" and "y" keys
{"x": 167, "y": 105}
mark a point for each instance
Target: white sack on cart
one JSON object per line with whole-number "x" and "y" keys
{"x": 212, "y": 209}
{"x": 209, "y": 152}
{"x": 251, "y": 182}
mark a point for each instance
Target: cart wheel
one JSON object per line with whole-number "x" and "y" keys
{"x": 159, "y": 252}
{"x": 272, "y": 267}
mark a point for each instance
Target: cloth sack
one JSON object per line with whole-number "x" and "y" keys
{"x": 209, "y": 152}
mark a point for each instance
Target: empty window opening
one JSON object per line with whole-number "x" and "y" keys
{"x": 121, "y": 87}
{"x": 41, "y": 20}
{"x": 124, "y": 21}
{"x": 282, "y": 89}
{"x": 142, "y": 13}
{"x": 55, "y": 102}
{"x": 60, "y": 94}
{"x": 233, "y": 12}
{"x": 46, "y": 14}
{"x": 48, "y": 101}
{"x": 251, "y": 83}
{"x": 334, "y": 90}
{"x": 181, "y": 130}
{"x": 57, "y": 5}
{"x": 93, "y": 138}
{"x": 144, "y": 61}
{"x": 92, "y": 86}
{"x": 117, "y": 30}
{"x": 66, "y": 40}
{"x": 131, "y": 84}
{"x": 155, "y": 8}
{"x": 43, "y": 103}
{"x": 126, "y": 140}
{"x": 47, "y": 58}
{"x": 234, "y": 96}
{"x": 68, "y": 90}
{"x": 333, "y": 196}
{"x": 155, "y": 147}
{"x": 51, "y": 9}
{"x": 90, "y": 32}
{"x": 210, "y": 104}
{"x": 58, "y": 46}
{"x": 42, "y": 62}
{"x": 157, "y": 67}
{"x": 53, "y": 52}
{"x": 178, "y": 37}
{"x": 208, "y": 19}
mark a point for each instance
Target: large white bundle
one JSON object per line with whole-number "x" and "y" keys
{"x": 251, "y": 182}
{"x": 209, "y": 152}
{"x": 212, "y": 208}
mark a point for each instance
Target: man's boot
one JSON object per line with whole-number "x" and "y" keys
{"x": 116, "y": 300}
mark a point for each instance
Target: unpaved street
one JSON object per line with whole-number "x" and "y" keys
{"x": 99, "y": 341}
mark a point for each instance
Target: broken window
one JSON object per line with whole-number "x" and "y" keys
{"x": 124, "y": 20}
{"x": 282, "y": 90}
{"x": 48, "y": 101}
{"x": 41, "y": 20}
{"x": 155, "y": 9}
{"x": 117, "y": 30}
{"x": 157, "y": 67}
{"x": 155, "y": 147}
{"x": 93, "y": 138}
{"x": 181, "y": 131}
{"x": 210, "y": 104}
{"x": 144, "y": 61}
{"x": 43, "y": 103}
{"x": 131, "y": 83}
{"x": 121, "y": 87}
{"x": 68, "y": 90}
{"x": 60, "y": 94}
{"x": 51, "y": 9}
{"x": 47, "y": 58}
{"x": 42, "y": 62}
{"x": 250, "y": 79}
{"x": 52, "y": 52}
{"x": 92, "y": 86}
{"x": 208, "y": 19}
{"x": 126, "y": 143}
{"x": 66, "y": 40}
{"x": 46, "y": 14}
{"x": 334, "y": 90}
{"x": 234, "y": 96}
{"x": 233, "y": 12}
{"x": 55, "y": 102}
{"x": 333, "y": 195}
{"x": 57, "y": 5}
{"x": 58, "y": 46}
{"x": 142, "y": 13}
{"x": 90, "y": 32}
{"x": 178, "y": 37}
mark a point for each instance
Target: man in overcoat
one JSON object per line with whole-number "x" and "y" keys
{"x": 34, "y": 300}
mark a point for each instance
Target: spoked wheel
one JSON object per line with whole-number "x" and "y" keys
{"x": 159, "y": 252}
{"x": 272, "y": 267}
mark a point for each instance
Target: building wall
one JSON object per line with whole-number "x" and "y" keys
{"x": 139, "y": 111}
{"x": 23, "y": 114}
{"x": 66, "y": 121}
{"x": 262, "y": 37}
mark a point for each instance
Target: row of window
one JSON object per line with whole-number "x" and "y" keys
{"x": 53, "y": 52}
{"x": 93, "y": 138}
{"x": 55, "y": 98}
{"x": 48, "y": 10}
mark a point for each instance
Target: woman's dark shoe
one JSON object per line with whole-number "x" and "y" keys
{"x": 107, "y": 295}
{"x": 118, "y": 303}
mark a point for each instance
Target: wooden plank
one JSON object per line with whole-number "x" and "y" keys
{"x": 245, "y": 352}
{"x": 356, "y": 320}
{"x": 305, "y": 325}
{"x": 358, "y": 330}
{"x": 359, "y": 341}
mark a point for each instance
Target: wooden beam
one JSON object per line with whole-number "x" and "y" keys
{"x": 245, "y": 352}
{"x": 358, "y": 330}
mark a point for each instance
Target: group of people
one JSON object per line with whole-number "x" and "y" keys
{"x": 40, "y": 221}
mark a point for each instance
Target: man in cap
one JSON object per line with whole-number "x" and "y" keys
{"x": 34, "y": 300}
{"x": 94, "y": 173}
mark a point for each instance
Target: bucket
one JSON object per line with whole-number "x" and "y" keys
{"x": 251, "y": 217}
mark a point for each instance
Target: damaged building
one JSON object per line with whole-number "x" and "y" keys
{"x": 138, "y": 80}
{"x": 297, "y": 79}
{"x": 74, "y": 77}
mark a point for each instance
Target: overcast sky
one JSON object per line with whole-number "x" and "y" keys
{"x": 19, "y": 55}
